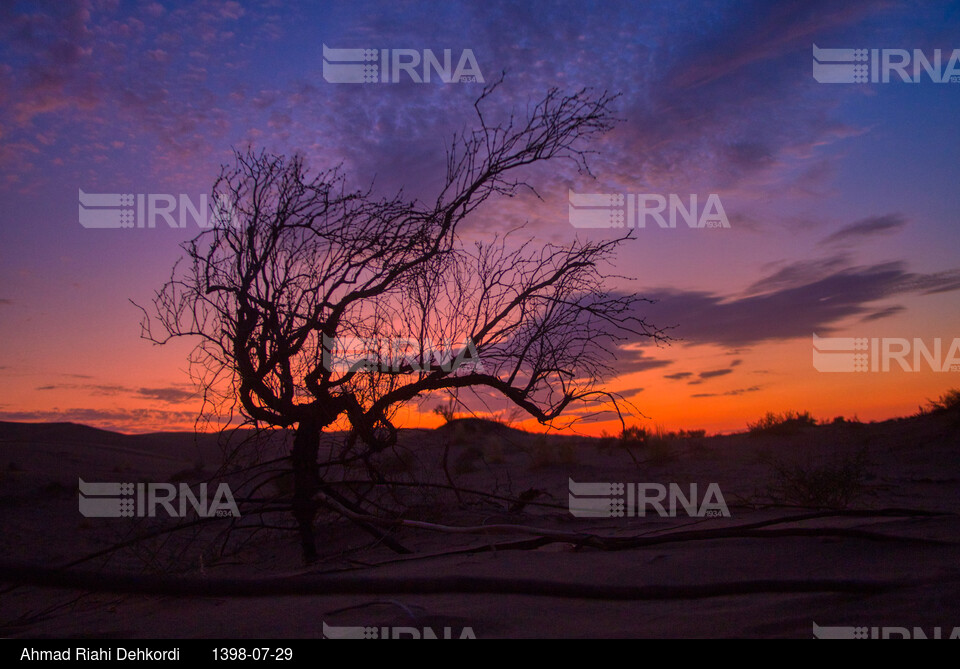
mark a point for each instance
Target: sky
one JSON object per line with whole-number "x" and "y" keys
{"x": 841, "y": 199}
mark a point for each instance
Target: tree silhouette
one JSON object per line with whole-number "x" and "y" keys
{"x": 302, "y": 264}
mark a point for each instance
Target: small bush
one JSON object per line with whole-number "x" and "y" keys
{"x": 606, "y": 442}
{"x": 509, "y": 417}
{"x": 949, "y": 401}
{"x": 835, "y": 484}
{"x": 447, "y": 411}
{"x": 840, "y": 420}
{"x": 788, "y": 422}
{"x": 633, "y": 436}
{"x": 657, "y": 444}
{"x": 660, "y": 446}
{"x": 545, "y": 454}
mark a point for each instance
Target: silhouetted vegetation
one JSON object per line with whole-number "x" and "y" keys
{"x": 785, "y": 423}
{"x": 834, "y": 483}
{"x": 447, "y": 410}
{"x": 949, "y": 401}
{"x": 658, "y": 444}
{"x": 304, "y": 262}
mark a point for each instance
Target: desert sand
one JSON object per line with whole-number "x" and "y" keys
{"x": 890, "y": 558}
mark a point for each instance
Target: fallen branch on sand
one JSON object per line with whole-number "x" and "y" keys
{"x": 752, "y": 530}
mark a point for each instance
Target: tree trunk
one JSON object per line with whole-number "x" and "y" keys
{"x": 306, "y": 480}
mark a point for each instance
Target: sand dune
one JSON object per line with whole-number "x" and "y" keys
{"x": 744, "y": 575}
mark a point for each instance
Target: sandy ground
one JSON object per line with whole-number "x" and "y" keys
{"x": 911, "y": 465}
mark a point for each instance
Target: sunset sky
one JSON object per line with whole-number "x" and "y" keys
{"x": 843, "y": 199}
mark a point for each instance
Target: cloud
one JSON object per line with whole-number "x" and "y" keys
{"x": 715, "y": 373}
{"x": 931, "y": 284}
{"x": 124, "y": 420}
{"x": 757, "y": 32}
{"x": 630, "y": 360}
{"x": 867, "y": 227}
{"x": 171, "y": 395}
{"x": 883, "y": 313}
{"x": 5, "y": 302}
{"x": 800, "y": 298}
{"x": 730, "y": 393}
{"x": 231, "y": 10}
{"x": 91, "y": 388}
{"x": 798, "y": 272}
{"x": 701, "y": 376}
{"x": 92, "y": 75}
{"x": 746, "y": 58}
{"x": 131, "y": 72}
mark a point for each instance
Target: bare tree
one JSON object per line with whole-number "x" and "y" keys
{"x": 303, "y": 263}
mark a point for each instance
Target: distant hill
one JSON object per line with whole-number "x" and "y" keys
{"x": 64, "y": 432}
